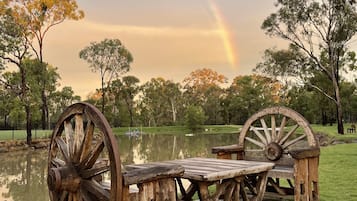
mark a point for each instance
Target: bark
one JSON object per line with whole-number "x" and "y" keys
{"x": 44, "y": 109}
{"x": 103, "y": 95}
{"x": 28, "y": 125}
{"x": 339, "y": 114}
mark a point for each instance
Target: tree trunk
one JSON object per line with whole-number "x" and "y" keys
{"x": 338, "y": 103}
{"x": 28, "y": 124}
{"x": 103, "y": 95}
{"x": 173, "y": 108}
{"x": 44, "y": 115}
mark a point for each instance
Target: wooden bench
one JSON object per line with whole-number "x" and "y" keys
{"x": 289, "y": 142}
{"x": 352, "y": 129}
{"x": 84, "y": 163}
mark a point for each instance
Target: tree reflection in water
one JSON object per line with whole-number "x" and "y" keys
{"x": 148, "y": 148}
{"x": 23, "y": 174}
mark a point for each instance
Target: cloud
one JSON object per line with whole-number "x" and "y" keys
{"x": 152, "y": 30}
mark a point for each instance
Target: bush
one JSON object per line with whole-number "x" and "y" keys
{"x": 194, "y": 117}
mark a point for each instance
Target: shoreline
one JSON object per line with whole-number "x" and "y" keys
{"x": 20, "y": 145}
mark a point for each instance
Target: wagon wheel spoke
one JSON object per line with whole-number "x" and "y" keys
{"x": 78, "y": 137}
{"x": 266, "y": 131}
{"x": 294, "y": 141}
{"x": 63, "y": 148}
{"x": 261, "y": 145}
{"x": 87, "y": 141}
{"x": 260, "y": 136}
{"x": 273, "y": 128}
{"x": 96, "y": 189}
{"x": 91, "y": 158}
{"x": 290, "y": 133}
{"x": 85, "y": 195}
{"x": 58, "y": 162}
{"x": 95, "y": 171}
{"x": 68, "y": 130}
{"x": 281, "y": 129}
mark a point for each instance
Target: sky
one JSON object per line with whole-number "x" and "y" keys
{"x": 168, "y": 39}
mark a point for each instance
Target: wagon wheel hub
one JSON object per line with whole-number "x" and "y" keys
{"x": 273, "y": 151}
{"x": 63, "y": 178}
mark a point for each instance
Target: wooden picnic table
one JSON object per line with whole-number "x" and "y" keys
{"x": 231, "y": 177}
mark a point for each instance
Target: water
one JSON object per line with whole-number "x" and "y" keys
{"x": 23, "y": 175}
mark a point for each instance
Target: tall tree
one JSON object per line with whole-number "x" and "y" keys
{"x": 127, "y": 89}
{"x": 248, "y": 94}
{"x": 203, "y": 87}
{"x": 38, "y": 17}
{"x": 110, "y": 58}
{"x": 14, "y": 48}
{"x": 160, "y": 101}
{"x": 322, "y": 31}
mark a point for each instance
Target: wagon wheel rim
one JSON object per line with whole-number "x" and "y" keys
{"x": 274, "y": 131}
{"x": 83, "y": 156}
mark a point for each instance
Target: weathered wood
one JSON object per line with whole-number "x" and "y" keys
{"x": 305, "y": 153}
{"x": 229, "y": 149}
{"x": 266, "y": 131}
{"x": 135, "y": 176}
{"x": 279, "y": 144}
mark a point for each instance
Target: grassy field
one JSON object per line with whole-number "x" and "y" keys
{"x": 330, "y": 131}
{"x": 338, "y": 172}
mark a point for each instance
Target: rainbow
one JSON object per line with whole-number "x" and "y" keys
{"x": 225, "y": 34}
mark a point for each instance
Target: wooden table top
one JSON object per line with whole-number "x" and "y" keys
{"x": 211, "y": 169}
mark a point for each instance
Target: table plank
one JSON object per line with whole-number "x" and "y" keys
{"x": 211, "y": 169}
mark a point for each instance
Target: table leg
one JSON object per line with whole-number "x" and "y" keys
{"x": 203, "y": 193}
{"x": 261, "y": 185}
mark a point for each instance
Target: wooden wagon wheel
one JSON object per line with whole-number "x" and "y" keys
{"x": 83, "y": 161}
{"x": 274, "y": 131}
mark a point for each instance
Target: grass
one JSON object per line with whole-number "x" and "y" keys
{"x": 330, "y": 131}
{"x": 21, "y": 134}
{"x": 338, "y": 172}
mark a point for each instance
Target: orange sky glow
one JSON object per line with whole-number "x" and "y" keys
{"x": 167, "y": 39}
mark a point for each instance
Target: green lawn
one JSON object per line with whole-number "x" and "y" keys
{"x": 338, "y": 172}
{"x": 21, "y": 134}
{"x": 330, "y": 131}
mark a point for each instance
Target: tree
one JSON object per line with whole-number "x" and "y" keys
{"x": 110, "y": 58}
{"x": 202, "y": 87}
{"x": 59, "y": 100}
{"x": 14, "y": 49}
{"x": 126, "y": 89}
{"x": 321, "y": 30}
{"x": 194, "y": 117}
{"x": 248, "y": 94}
{"x": 37, "y": 17}
{"x": 160, "y": 101}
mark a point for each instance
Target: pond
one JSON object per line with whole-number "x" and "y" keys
{"x": 23, "y": 174}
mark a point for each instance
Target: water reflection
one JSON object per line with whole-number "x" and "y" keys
{"x": 23, "y": 174}
{"x": 148, "y": 148}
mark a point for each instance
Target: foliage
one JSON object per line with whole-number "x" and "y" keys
{"x": 37, "y": 17}
{"x": 110, "y": 58}
{"x": 202, "y": 87}
{"x": 160, "y": 102}
{"x": 319, "y": 31}
{"x": 194, "y": 117}
{"x": 248, "y": 94}
{"x": 124, "y": 91}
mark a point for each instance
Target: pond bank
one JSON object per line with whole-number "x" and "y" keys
{"x": 19, "y": 145}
